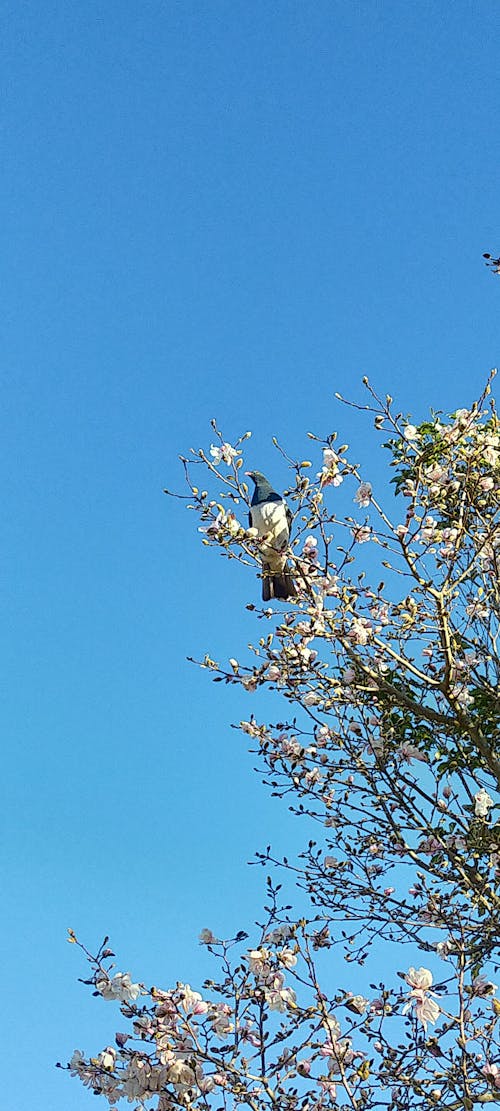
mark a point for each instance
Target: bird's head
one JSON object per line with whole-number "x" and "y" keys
{"x": 256, "y": 477}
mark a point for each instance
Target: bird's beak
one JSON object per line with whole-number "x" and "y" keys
{"x": 249, "y": 474}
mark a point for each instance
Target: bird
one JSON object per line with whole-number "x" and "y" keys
{"x": 271, "y": 517}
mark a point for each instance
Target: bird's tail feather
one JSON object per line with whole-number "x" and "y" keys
{"x": 278, "y": 586}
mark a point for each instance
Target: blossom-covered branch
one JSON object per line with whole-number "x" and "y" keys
{"x": 385, "y": 667}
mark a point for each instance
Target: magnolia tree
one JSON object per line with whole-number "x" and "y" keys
{"x": 385, "y": 665}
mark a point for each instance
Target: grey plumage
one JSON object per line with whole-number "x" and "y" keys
{"x": 270, "y": 516}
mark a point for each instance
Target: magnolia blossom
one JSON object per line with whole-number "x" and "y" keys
{"x": 223, "y": 522}
{"x": 449, "y": 535}
{"x": 363, "y": 495}
{"x": 411, "y": 433}
{"x": 323, "y": 735}
{"x": 339, "y": 1051}
{"x": 361, "y": 534}
{"x": 312, "y": 777}
{"x": 191, "y": 1001}
{"x": 360, "y": 631}
{"x": 482, "y": 803}
{"x": 224, "y": 453}
{"x": 220, "y": 1020}
{"x": 462, "y": 416}
{"x": 181, "y": 1074}
{"x": 409, "y": 752}
{"x": 357, "y": 1003}
{"x": 492, "y": 1073}
{"x": 436, "y": 474}
{"x": 279, "y": 1000}
{"x": 107, "y": 1057}
{"x": 419, "y": 978}
{"x": 482, "y": 986}
{"x": 430, "y": 845}
{"x": 426, "y": 1009}
{"x": 310, "y": 549}
{"x": 258, "y": 960}
{"x": 120, "y": 987}
{"x": 491, "y": 456}
{"x": 329, "y": 474}
{"x": 251, "y": 728}
{"x": 462, "y": 695}
{"x": 330, "y": 585}
{"x": 207, "y": 938}
{"x": 280, "y": 933}
{"x": 429, "y": 531}
{"x": 287, "y": 957}
{"x": 311, "y": 698}
{"x": 77, "y": 1062}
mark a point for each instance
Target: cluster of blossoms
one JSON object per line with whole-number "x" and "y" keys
{"x": 387, "y": 744}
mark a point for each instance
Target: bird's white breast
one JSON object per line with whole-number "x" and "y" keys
{"x": 270, "y": 521}
{"x": 270, "y": 518}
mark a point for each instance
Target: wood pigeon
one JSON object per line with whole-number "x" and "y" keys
{"x": 270, "y": 516}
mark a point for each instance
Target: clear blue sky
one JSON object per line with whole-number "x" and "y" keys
{"x": 208, "y": 208}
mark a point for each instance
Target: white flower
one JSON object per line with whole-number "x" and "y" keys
{"x": 311, "y": 699}
{"x": 207, "y": 938}
{"x": 191, "y": 1000}
{"x": 77, "y": 1062}
{"x": 492, "y": 1073}
{"x": 357, "y": 1003}
{"x": 220, "y": 523}
{"x": 278, "y": 999}
{"x": 329, "y": 474}
{"x": 411, "y": 433}
{"x": 428, "y": 530}
{"x": 120, "y": 987}
{"x": 363, "y": 495}
{"x": 310, "y": 549}
{"x": 482, "y": 803}
{"x": 490, "y": 456}
{"x": 279, "y": 934}
{"x": 419, "y": 978}
{"x": 258, "y": 960}
{"x": 221, "y": 1023}
{"x": 223, "y": 454}
{"x": 107, "y": 1057}
{"x": 287, "y": 957}
{"x": 443, "y": 948}
{"x": 360, "y": 631}
{"x": 426, "y": 1009}
{"x": 409, "y": 752}
{"x": 181, "y": 1073}
{"x": 435, "y": 473}
{"x": 361, "y": 534}
{"x": 482, "y": 986}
